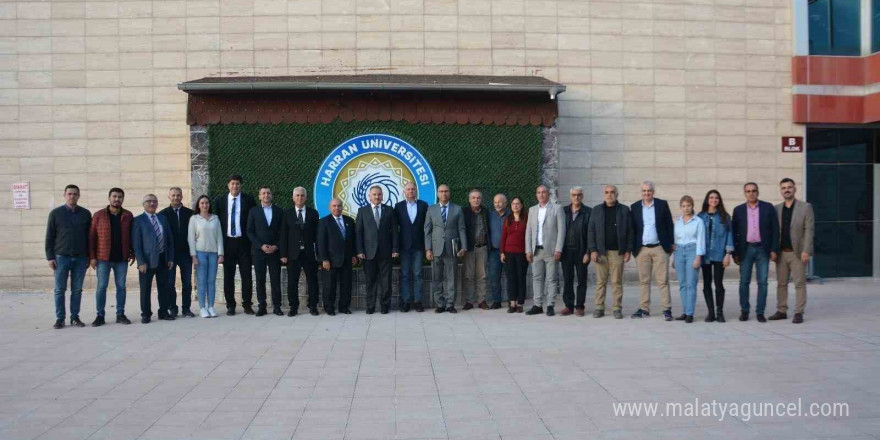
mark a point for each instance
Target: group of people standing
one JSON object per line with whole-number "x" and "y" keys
{"x": 235, "y": 231}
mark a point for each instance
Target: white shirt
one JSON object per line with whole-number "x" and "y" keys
{"x": 412, "y": 208}
{"x": 267, "y": 210}
{"x": 542, "y": 214}
{"x": 694, "y": 231}
{"x": 649, "y": 220}
{"x": 237, "y": 218}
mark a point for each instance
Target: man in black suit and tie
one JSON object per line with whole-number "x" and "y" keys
{"x": 336, "y": 252}
{"x": 178, "y": 217}
{"x": 299, "y": 230}
{"x": 410, "y": 215}
{"x": 264, "y": 232}
{"x": 376, "y": 244}
{"x": 232, "y": 208}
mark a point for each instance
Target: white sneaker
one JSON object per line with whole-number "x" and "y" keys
{"x": 203, "y": 312}
{"x": 212, "y": 312}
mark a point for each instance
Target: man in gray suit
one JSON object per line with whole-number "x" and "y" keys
{"x": 445, "y": 234}
{"x": 796, "y": 231}
{"x": 545, "y": 237}
{"x": 376, "y": 245}
{"x": 153, "y": 243}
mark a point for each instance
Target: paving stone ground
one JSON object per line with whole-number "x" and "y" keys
{"x": 474, "y": 375}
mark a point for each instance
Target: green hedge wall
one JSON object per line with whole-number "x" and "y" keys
{"x": 284, "y": 156}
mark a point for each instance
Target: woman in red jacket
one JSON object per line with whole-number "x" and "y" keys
{"x": 513, "y": 255}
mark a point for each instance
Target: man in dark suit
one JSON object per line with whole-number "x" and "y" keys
{"x": 178, "y": 217}
{"x": 756, "y": 242}
{"x": 153, "y": 244}
{"x": 575, "y": 257}
{"x": 410, "y": 215}
{"x": 264, "y": 233}
{"x": 376, "y": 244}
{"x": 652, "y": 244}
{"x": 336, "y": 251}
{"x": 299, "y": 230}
{"x": 232, "y": 208}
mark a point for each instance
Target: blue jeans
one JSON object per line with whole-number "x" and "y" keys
{"x": 73, "y": 268}
{"x": 411, "y": 275}
{"x": 687, "y": 276}
{"x": 206, "y": 276}
{"x": 184, "y": 262}
{"x": 120, "y": 269}
{"x": 757, "y": 256}
{"x": 495, "y": 267}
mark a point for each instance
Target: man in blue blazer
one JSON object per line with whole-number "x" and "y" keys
{"x": 411, "y": 228}
{"x": 756, "y": 242}
{"x": 652, "y": 244}
{"x": 153, "y": 243}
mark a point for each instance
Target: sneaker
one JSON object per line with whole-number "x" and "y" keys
{"x": 579, "y": 311}
{"x": 640, "y": 314}
{"x": 483, "y": 305}
{"x": 535, "y": 310}
{"x": 75, "y": 321}
{"x": 565, "y": 311}
{"x": 59, "y": 324}
{"x": 99, "y": 321}
{"x": 212, "y": 312}
{"x": 667, "y": 315}
{"x": 122, "y": 319}
{"x": 188, "y": 314}
{"x": 550, "y": 311}
{"x": 598, "y": 313}
{"x": 203, "y": 312}
{"x": 618, "y": 314}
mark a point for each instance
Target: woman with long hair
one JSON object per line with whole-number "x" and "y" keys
{"x": 690, "y": 246}
{"x": 719, "y": 246}
{"x": 205, "y": 236}
{"x": 513, "y": 255}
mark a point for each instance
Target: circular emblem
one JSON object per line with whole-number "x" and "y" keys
{"x": 362, "y": 162}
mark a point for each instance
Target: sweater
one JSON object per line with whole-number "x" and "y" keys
{"x": 205, "y": 235}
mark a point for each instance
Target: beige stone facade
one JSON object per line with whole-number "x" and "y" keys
{"x": 693, "y": 94}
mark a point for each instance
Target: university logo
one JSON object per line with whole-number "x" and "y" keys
{"x": 360, "y": 163}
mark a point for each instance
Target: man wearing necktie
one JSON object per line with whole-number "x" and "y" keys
{"x": 445, "y": 241}
{"x": 376, "y": 244}
{"x": 153, "y": 244}
{"x": 178, "y": 217}
{"x": 336, "y": 253}
{"x": 299, "y": 231}
{"x": 232, "y": 209}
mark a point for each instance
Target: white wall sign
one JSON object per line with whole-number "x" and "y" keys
{"x": 21, "y": 195}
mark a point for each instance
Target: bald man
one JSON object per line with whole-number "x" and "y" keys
{"x": 610, "y": 242}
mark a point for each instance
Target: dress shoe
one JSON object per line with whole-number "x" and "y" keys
{"x": 744, "y": 316}
{"x": 59, "y": 323}
{"x": 371, "y": 310}
{"x": 277, "y": 312}
{"x": 203, "y": 312}
{"x": 467, "y": 306}
{"x": 550, "y": 311}
{"x": 188, "y": 314}
{"x": 681, "y": 317}
{"x": 405, "y": 308}
{"x": 145, "y": 320}
{"x": 719, "y": 317}
{"x": 689, "y": 319}
{"x": 760, "y": 318}
{"x": 345, "y": 311}
{"x": 291, "y": 313}
{"x": 313, "y": 311}
{"x": 519, "y": 309}
{"x": 710, "y": 318}
{"x": 798, "y": 318}
{"x": 535, "y": 310}
{"x": 618, "y": 314}
{"x": 76, "y": 322}
{"x": 777, "y": 316}
{"x": 248, "y": 310}
{"x": 579, "y": 311}
{"x": 384, "y": 310}
{"x": 99, "y": 321}
{"x": 121, "y": 319}
{"x": 495, "y": 305}
{"x": 598, "y": 313}
{"x": 565, "y": 311}
{"x": 331, "y": 312}
{"x": 167, "y": 318}
{"x": 511, "y": 309}
{"x": 451, "y": 309}
{"x": 262, "y": 312}
{"x": 172, "y": 314}
{"x": 419, "y": 307}
{"x": 440, "y": 309}
{"x": 483, "y": 305}
{"x": 230, "y": 312}
{"x": 640, "y": 314}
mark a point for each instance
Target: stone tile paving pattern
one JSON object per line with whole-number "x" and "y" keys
{"x": 475, "y": 375}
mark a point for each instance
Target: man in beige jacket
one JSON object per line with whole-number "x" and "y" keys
{"x": 796, "y": 232}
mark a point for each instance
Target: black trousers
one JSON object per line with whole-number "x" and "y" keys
{"x": 378, "y": 273}
{"x": 310, "y": 267}
{"x": 713, "y": 272}
{"x": 573, "y": 264}
{"x": 516, "y": 267}
{"x": 337, "y": 278}
{"x": 182, "y": 263}
{"x": 162, "y": 286}
{"x": 273, "y": 262}
{"x": 237, "y": 252}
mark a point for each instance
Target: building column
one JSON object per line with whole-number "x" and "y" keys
{"x": 866, "y": 14}
{"x": 801, "y": 27}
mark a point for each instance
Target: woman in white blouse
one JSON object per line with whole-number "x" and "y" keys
{"x": 690, "y": 246}
{"x": 205, "y": 238}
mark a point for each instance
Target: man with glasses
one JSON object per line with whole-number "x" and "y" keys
{"x": 756, "y": 243}
{"x": 153, "y": 243}
{"x": 575, "y": 257}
